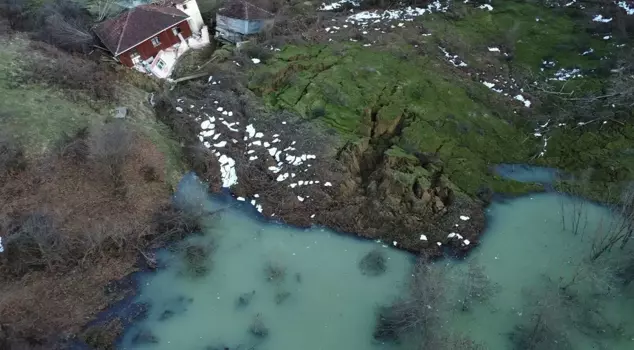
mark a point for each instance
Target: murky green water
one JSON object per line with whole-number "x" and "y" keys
{"x": 305, "y": 290}
{"x": 322, "y": 301}
{"x": 529, "y": 255}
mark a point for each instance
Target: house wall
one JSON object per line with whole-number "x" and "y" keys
{"x": 227, "y": 24}
{"x": 195, "y": 18}
{"x": 146, "y": 49}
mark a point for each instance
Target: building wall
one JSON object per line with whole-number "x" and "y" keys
{"x": 227, "y": 24}
{"x": 146, "y": 49}
{"x": 195, "y": 18}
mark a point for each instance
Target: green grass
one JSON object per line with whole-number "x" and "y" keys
{"x": 559, "y": 34}
{"x": 39, "y": 115}
{"x": 433, "y": 104}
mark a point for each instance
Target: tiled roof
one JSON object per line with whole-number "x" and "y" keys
{"x": 245, "y": 9}
{"x": 136, "y": 25}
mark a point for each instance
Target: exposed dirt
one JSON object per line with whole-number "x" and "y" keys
{"x": 353, "y": 186}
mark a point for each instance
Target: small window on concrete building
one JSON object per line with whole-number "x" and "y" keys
{"x": 155, "y": 41}
{"x": 176, "y": 31}
{"x": 160, "y": 64}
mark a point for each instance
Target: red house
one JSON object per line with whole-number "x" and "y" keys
{"x": 140, "y": 33}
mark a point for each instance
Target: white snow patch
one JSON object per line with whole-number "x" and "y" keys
{"x": 423, "y": 237}
{"x": 587, "y": 52}
{"x": 466, "y": 242}
{"x": 220, "y": 144}
{"x": 337, "y": 5}
{"x": 250, "y": 130}
{"x": 282, "y": 177}
{"x": 600, "y": 18}
{"x": 521, "y": 98}
{"x": 464, "y": 218}
{"x": 241, "y": 199}
{"x": 454, "y": 59}
{"x": 451, "y": 235}
{"x": 228, "y": 171}
{"x": 494, "y": 49}
{"x": 486, "y": 7}
{"x": 394, "y": 243}
{"x": 255, "y": 60}
{"x": 300, "y": 198}
{"x": 328, "y": 184}
{"x": 629, "y": 9}
{"x": 565, "y": 74}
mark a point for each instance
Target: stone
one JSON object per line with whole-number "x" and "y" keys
{"x": 120, "y": 112}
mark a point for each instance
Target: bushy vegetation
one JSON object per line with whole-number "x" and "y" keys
{"x": 373, "y": 263}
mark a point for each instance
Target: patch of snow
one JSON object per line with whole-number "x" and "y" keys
{"x": 253, "y": 158}
{"x": 489, "y": 85}
{"x": 494, "y": 49}
{"x": 220, "y": 144}
{"x": 241, "y": 199}
{"x": 312, "y": 216}
{"x": 394, "y": 243}
{"x": 255, "y": 60}
{"x": 587, "y": 52}
{"x": 466, "y": 242}
{"x": 179, "y": 109}
{"x": 521, "y": 98}
{"x": 486, "y": 7}
{"x": 607, "y": 37}
{"x": 451, "y": 235}
{"x": 230, "y": 125}
{"x": 423, "y": 237}
{"x": 438, "y": 243}
{"x": 564, "y": 74}
{"x": 282, "y": 177}
{"x": 228, "y": 171}
{"x": 600, "y": 18}
{"x": 629, "y": 9}
{"x": 299, "y": 198}
{"x": 328, "y": 184}
{"x": 454, "y": 59}
{"x": 250, "y": 130}
{"x": 464, "y": 217}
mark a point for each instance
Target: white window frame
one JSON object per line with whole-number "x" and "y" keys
{"x": 156, "y": 41}
{"x": 176, "y": 30}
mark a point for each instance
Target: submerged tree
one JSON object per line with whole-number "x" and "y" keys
{"x": 419, "y": 312}
{"x": 618, "y": 229}
{"x": 545, "y": 321}
{"x": 475, "y": 286}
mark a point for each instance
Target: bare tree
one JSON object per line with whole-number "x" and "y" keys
{"x": 546, "y": 318}
{"x": 475, "y": 286}
{"x": 618, "y": 227}
{"x": 419, "y": 313}
{"x": 110, "y": 146}
{"x": 104, "y": 8}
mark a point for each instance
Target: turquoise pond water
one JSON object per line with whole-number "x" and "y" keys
{"x": 270, "y": 286}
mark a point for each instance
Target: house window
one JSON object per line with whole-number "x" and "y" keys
{"x": 176, "y": 31}
{"x": 155, "y": 41}
{"x": 134, "y": 55}
{"x": 160, "y": 64}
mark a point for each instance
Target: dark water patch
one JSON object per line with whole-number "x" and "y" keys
{"x": 528, "y": 173}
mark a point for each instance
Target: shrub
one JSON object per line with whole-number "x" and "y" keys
{"x": 11, "y": 156}
{"x": 373, "y": 263}
{"x": 418, "y": 313}
{"x": 110, "y": 146}
{"x": 274, "y": 273}
{"x": 75, "y": 73}
{"x": 196, "y": 259}
{"x": 258, "y": 328}
{"x": 33, "y": 243}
